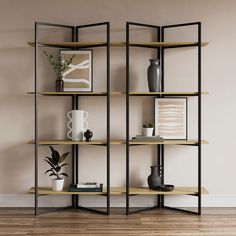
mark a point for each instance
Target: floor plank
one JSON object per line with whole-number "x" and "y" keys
{"x": 214, "y": 221}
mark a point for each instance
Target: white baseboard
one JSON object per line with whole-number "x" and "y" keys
{"x": 26, "y": 200}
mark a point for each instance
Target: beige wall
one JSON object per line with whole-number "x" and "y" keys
{"x": 218, "y": 73}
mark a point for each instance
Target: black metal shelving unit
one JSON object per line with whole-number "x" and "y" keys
{"x": 160, "y": 33}
{"x": 160, "y": 46}
{"x": 75, "y": 33}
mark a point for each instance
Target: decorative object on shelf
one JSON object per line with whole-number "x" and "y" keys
{"x": 154, "y": 75}
{"x": 155, "y": 178}
{"x": 171, "y": 118}
{"x": 88, "y": 135}
{"x": 79, "y": 74}
{"x": 166, "y": 188}
{"x": 86, "y": 187}
{"x": 142, "y": 138}
{"x": 77, "y": 120}
{"x": 59, "y": 66}
{"x": 148, "y": 129}
{"x": 56, "y": 163}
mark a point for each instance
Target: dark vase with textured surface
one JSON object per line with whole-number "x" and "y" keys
{"x": 155, "y": 178}
{"x": 59, "y": 85}
{"x": 88, "y": 135}
{"x": 154, "y": 75}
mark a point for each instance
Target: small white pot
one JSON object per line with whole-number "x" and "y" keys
{"x": 57, "y": 185}
{"x": 148, "y": 132}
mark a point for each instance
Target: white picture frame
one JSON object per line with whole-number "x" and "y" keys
{"x": 171, "y": 118}
{"x": 79, "y": 75}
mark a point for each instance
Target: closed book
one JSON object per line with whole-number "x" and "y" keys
{"x": 143, "y": 138}
{"x": 73, "y": 188}
{"x": 88, "y": 185}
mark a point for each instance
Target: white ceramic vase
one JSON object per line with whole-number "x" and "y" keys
{"x": 147, "y": 132}
{"x": 57, "y": 185}
{"x": 77, "y": 124}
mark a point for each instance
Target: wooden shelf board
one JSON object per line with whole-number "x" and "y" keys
{"x": 167, "y": 44}
{"x": 165, "y": 93}
{"x": 176, "y": 191}
{"x": 169, "y": 142}
{"x": 114, "y": 44}
{"x": 48, "y": 191}
{"x": 68, "y": 142}
{"x": 75, "y": 93}
{"x": 48, "y": 93}
{"x": 122, "y": 190}
{"x": 113, "y": 141}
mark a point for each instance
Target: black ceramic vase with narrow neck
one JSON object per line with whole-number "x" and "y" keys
{"x": 155, "y": 178}
{"x": 154, "y": 75}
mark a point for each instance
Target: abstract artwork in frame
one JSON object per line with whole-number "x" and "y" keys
{"x": 79, "y": 75}
{"x": 171, "y": 118}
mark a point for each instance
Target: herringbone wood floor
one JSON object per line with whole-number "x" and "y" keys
{"x": 214, "y": 221}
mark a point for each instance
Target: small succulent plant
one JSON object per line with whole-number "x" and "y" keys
{"x": 148, "y": 125}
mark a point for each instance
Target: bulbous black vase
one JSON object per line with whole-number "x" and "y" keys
{"x": 88, "y": 135}
{"x": 155, "y": 178}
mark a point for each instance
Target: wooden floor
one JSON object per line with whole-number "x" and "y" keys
{"x": 214, "y": 221}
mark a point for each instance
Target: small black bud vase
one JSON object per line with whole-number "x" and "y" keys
{"x": 59, "y": 85}
{"x": 155, "y": 178}
{"x": 88, "y": 135}
{"x": 154, "y": 75}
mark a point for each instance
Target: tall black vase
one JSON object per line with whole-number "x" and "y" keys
{"x": 154, "y": 75}
{"x": 155, "y": 178}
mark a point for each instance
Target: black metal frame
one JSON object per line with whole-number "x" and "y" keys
{"x": 128, "y": 45}
{"x": 75, "y": 105}
{"x": 160, "y": 147}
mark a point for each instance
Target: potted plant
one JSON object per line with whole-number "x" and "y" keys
{"x": 56, "y": 163}
{"x": 59, "y": 66}
{"x": 148, "y": 129}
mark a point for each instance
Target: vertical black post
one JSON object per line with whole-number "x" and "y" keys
{"x": 162, "y": 90}
{"x": 108, "y": 118}
{"x": 199, "y": 118}
{"x": 36, "y": 128}
{"x": 74, "y": 155}
{"x": 127, "y": 118}
{"x": 158, "y": 145}
{"x": 75, "y": 38}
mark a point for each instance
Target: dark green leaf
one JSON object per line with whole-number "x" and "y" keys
{"x": 63, "y": 157}
{"x": 57, "y": 169}
{"x": 52, "y": 149}
{"x": 50, "y": 163}
{"x": 48, "y": 171}
{"x": 64, "y": 174}
{"x": 52, "y": 174}
{"x": 64, "y": 165}
{"x": 51, "y": 160}
{"x": 56, "y": 156}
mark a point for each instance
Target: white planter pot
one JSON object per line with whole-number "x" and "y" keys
{"x": 148, "y": 132}
{"x": 57, "y": 185}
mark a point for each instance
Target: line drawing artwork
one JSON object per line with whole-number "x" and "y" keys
{"x": 78, "y": 77}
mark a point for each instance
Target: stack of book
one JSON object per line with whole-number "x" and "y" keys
{"x": 86, "y": 187}
{"x": 142, "y": 138}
